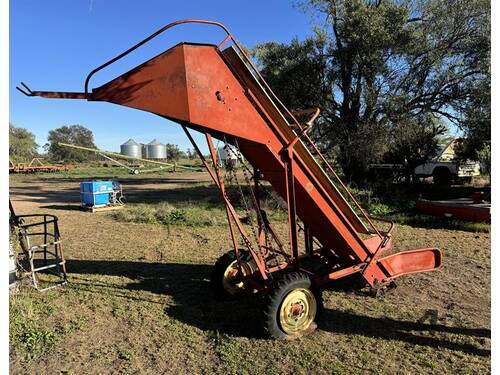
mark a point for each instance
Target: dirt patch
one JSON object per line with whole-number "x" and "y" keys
{"x": 138, "y": 300}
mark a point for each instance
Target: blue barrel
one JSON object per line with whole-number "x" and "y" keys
{"x": 95, "y": 193}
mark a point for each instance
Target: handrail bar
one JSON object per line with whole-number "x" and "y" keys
{"x": 346, "y": 189}
{"x": 172, "y": 24}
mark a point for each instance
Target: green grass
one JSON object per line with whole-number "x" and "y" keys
{"x": 32, "y": 331}
{"x": 97, "y": 170}
{"x": 31, "y": 339}
{"x": 126, "y": 309}
{"x": 207, "y": 212}
{"x": 229, "y": 353}
{"x": 190, "y": 215}
{"x": 211, "y": 213}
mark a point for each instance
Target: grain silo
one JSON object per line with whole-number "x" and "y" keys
{"x": 131, "y": 148}
{"x": 156, "y": 150}
{"x": 229, "y": 156}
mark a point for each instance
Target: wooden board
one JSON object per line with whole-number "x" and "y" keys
{"x": 100, "y": 209}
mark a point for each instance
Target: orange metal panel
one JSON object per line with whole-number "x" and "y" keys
{"x": 192, "y": 84}
{"x": 217, "y": 100}
{"x": 411, "y": 261}
{"x": 250, "y": 81}
{"x": 403, "y": 263}
{"x": 158, "y": 86}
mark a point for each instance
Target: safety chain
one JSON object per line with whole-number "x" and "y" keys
{"x": 244, "y": 200}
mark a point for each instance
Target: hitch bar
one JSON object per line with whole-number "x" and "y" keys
{"x": 52, "y": 94}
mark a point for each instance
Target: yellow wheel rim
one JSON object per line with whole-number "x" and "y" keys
{"x": 297, "y": 311}
{"x": 230, "y": 281}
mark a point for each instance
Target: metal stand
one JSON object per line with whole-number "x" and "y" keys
{"x": 40, "y": 241}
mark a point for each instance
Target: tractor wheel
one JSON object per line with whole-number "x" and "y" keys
{"x": 224, "y": 280}
{"x": 291, "y": 307}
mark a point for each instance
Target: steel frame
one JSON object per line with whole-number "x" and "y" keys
{"x": 360, "y": 255}
{"x": 47, "y": 226}
{"x": 294, "y": 259}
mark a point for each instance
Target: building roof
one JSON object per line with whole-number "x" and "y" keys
{"x": 130, "y": 142}
{"x": 155, "y": 142}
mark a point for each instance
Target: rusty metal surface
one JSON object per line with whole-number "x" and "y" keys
{"x": 223, "y": 95}
{"x": 51, "y": 94}
{"x": 192, "y": 84}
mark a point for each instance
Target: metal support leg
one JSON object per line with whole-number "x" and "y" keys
{"x": 308, "y": 240}
{"x": 260, "y": 224}
{"x": 260, "y": 264}
{"x": 45, "y": 239}
{"x": 224, "y": 195}
{"x": 292, "y": 214}
{"x": 31, "y": 255}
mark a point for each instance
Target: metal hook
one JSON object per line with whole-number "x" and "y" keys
{"x": 28, "y": 93}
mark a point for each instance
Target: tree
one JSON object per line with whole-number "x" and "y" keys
{"x": 22, "y": 144}
{"x": 476, "y": 125}
{"x": 191, "y": 154}
{"x": 173, "y": 152}
{"x": 378, "y": 65}
{"x": 413, "y": 141}
{"x": 73, "y": 134}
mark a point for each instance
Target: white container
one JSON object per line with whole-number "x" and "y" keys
{"x": 12, "y": 265}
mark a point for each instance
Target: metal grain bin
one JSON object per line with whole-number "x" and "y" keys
{"x": 156, "y": 150}
{"x": 229, "y": 156}
{"x": 131, "y": 148}
{"x": 229, "y": 153}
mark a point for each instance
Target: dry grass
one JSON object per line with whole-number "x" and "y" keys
{"x": 138, "y": 299}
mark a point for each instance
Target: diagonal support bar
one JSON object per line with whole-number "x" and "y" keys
{"x": 260, "y": 263}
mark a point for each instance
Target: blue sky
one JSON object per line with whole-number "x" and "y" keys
{"x": 55, "y": 44}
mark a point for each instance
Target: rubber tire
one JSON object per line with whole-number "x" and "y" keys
{"x": 273, "y": 300}
{"x": 218, "y": 271}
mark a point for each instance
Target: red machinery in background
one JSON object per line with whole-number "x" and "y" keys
{"x": 217, "y": 90}
{"x": 37, "y": 165}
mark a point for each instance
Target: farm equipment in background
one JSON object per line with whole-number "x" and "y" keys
{"x": 37, "y": 165}
{"x": 444, "y": 168}
{"x": 101, "y": 195}
{"x": 219, "y": 92}
{"x": 476, "y": 207}
{"x": 113, "y": 156}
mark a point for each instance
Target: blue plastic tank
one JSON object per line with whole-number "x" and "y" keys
{"x": 95, "y": 193}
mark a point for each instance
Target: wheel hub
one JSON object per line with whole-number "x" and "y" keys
{"x": 297, "y": 311}
{"x": 231, "y": 280}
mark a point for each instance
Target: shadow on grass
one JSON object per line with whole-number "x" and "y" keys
{"x": 71, "y": 195}
{"x": 193, "y": 304}
{"x": 177, "y": 196}
{"x": 187, "y": 284}
{"x": 402, "y": 330}
{"x": 189, "y": 194}
{"x": 207, "y": 196}
{"x": 419, "y": 220}
{"x": 63, "y": 207}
